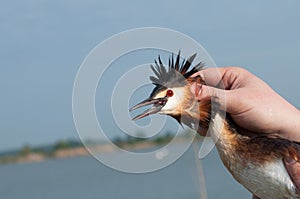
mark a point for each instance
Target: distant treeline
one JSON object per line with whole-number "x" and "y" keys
{"x": 48, "y": 151}
{"x": 140, "y": 137}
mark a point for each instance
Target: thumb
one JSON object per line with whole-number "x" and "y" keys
{"x": 293, "y": 168}
{"x": 225, "y": 98}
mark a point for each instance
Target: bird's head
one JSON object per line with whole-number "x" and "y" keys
{"x": 172, "y": 94}
{"x": 164, "y": 100}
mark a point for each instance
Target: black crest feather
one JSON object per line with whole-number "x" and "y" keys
{"x": 176, "y": 73}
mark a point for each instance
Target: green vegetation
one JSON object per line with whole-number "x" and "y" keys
{"x": 62, "y": 145}
{"x": 28, "y": 153}
{"x": 25, "y": 150}
{"x": 141, "y": 138}
{"x": 47, "y": 151}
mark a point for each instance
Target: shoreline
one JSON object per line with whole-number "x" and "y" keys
{"x": 28, "y": 155}
{"x": 34, "y": 157}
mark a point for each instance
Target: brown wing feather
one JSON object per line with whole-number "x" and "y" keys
{"x": 259, "y": 148}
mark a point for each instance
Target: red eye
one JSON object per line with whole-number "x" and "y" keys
{"x": 170, "y": 93}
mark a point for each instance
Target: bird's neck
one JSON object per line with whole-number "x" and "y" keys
{"x": 195, "y": 112}
{"x": 217, "y": 124}
{"x": 225, "y": 138}
{"x": 206, "y": 117}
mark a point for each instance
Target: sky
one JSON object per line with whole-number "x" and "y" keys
{"x": 43, "y": 44}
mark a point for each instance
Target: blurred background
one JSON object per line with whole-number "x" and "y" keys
{"x": 43, "y": 44}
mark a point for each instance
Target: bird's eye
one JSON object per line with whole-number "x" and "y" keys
{"x": 170, "y": 93}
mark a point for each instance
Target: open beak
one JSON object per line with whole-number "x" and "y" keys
{"x": 157, "y": 105}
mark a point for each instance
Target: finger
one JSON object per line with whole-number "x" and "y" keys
{"x": 211, "y": 76}
{"x": 293, "y": 168}
{"x": 255, "y": 197}
{"x": 224, "y": 98}
{"x": 222, "y": 78}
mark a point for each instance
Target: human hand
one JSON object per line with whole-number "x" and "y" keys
{"x": 253, "y": 105}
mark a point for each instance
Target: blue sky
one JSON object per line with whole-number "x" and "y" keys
{"x": 43, "y": 44}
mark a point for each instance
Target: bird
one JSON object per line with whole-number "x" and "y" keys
{"x": 255, "y": 160}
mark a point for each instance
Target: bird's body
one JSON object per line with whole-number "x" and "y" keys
{"x": 254, "y": 160}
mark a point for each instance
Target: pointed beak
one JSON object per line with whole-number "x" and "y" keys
{"x": 157, "y": 105}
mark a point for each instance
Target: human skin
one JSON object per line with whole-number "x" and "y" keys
{"x": 253, "y": 105}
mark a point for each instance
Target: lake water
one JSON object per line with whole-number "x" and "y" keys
{"x": 86, "y": 178}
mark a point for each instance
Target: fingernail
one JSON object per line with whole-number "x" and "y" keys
{"x": 290, "y": 161}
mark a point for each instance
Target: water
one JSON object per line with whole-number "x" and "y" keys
{"x": 86, "y": 178}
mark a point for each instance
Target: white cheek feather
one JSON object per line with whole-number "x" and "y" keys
{"x": 174, "y": 101}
